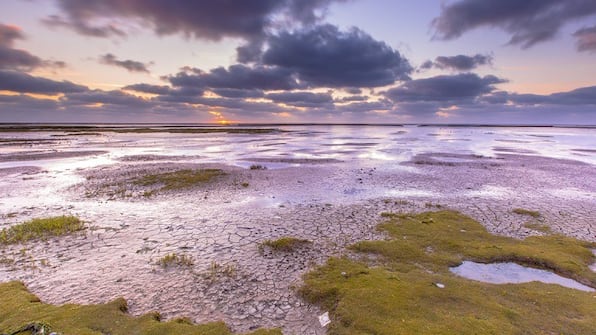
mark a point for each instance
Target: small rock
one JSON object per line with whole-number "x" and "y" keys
{"x": 324, "y": 319}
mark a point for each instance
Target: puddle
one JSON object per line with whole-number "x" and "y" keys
{"x": 453, "y": 159}
{"x": 512, "y": 273}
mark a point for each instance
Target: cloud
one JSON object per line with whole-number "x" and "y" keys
{"x": 15, "y": 81}
{"x": 459, "y": 62}
{"x": 17, "y": 59}
{"x": 239, "y": 77}
{"x": 9, "y": 34}
{"x": 115, "y": 97}
{"x": 454, "y": 89}
{"x": 238, "y": 93}
{"x": 325, "y": 56}
{"x": 528, "y": 22}
{"x": 11, "y": 58}
{"x": 302, "y": 99}
{"x": 80, "y": 25}
{"x": 205, "y": 19}
{"x": 586, "y": 39}
{"x": 580, "y": 96}
{"x": 130, "y": 65}
{"x": 148, "y": 88}
{"x": 352, "y": 98}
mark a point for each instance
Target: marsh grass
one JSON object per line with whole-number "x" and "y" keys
{"x": 284, "y": 244}
{"x": 400, "y": 294}
{"x": 20, "y": 308}
{"x": 174, "y": 259}
{"x": 522, "y": 211}
{"x": 216, "y": 270}
{"x": 177, "y": 180}
{"x": 41, "y": 228}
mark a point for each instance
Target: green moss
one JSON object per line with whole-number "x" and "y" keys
{"x": 537, "y": 227}
{"x": 528, "y": 212}
{"x": 40, "y": 229}
{"x": 20, "y": 308}
{"x": 399, "y": 296}
{"x": 284, "y": 244}
{"x": 175, "y": 259}
{"x": 177, "y": 180}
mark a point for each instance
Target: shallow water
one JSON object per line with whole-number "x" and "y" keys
{"x": 512, "y": 273}
{"x": 353, "y": 143}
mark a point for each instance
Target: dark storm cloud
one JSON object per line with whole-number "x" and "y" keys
{"x": 454, "y": 88}
{"x": 15, "y": 81}
{"x": 301, "y": 99}
{"x": 459, "y": 62}
{"x": 529, "y": 21}
{"x": 586, "y": 39}
{"x": 237, "y": 77}
{"x": 208, "y": 19}
{"x": 130, "y": 65}
{"x": 326, "y": 56}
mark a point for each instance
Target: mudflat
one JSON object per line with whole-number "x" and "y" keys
{"x": 214, "y": 199}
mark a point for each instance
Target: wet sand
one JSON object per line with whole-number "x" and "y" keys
{"x": 331, "y": 202}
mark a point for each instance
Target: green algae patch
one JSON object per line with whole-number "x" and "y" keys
{"x": 41, "y": 228}
{"x": 284, "y": 244}
{"x": 22, "y": 310}
{"x": 410, "y": 290}
{"x": 523, "y": 211}
{"x": 538, "y": 227}
{"x": 181, "y": 179}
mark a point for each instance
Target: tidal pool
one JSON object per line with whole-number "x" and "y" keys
{"x": 512, "y": 273}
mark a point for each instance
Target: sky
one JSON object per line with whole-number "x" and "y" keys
{"x": 298, "y": 61}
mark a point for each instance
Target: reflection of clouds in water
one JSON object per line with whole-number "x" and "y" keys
{"x": 503, "y": 273}
{"x": 349, "y": 143}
